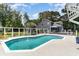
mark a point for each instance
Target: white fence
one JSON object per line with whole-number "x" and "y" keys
{"x": 6, "y": 32}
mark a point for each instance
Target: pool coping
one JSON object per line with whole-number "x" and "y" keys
{"x": 7, "y": 50}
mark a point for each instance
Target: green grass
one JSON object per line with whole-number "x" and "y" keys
{"x": 9, "y": 34}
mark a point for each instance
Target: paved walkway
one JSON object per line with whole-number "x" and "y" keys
{"x": 66, "y": 47}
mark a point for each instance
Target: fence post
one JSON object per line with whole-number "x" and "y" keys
{"x": 76, "y": 32}
{"x": 19, "y": 31}
{"x": 30, "y": 30}
{"x": 43, "y": 30}
{"x": 50, "y": 29}
{"x": 24, "y": 31}
{"x": 12, "y": 32}
{"x": 36, "y": 30}
{"x": 4, "y": 32}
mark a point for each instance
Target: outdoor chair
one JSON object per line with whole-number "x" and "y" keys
{"x": 77, "y": 40}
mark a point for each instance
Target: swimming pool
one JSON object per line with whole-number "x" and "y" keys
{"x": 28, "y": 43}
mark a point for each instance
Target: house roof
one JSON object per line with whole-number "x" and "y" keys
{"x": 44, "y": 20}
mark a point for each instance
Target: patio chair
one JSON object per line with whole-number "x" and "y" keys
{"x": 77, "y": 40}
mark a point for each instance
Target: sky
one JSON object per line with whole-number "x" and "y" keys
{"x": 33, "y": 9}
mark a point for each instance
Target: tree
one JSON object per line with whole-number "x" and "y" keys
{"x": 66, "y": 23}
{"x": 25, "y": 18}
{"x": 30, "y": 24}
{"x": 9, "y": 17}
{"x": 2, "y": 13}
{"x": 51, "y": 15}
{"x": 64, "y": 10}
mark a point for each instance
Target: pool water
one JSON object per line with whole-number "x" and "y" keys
{"x": 28, "y": 43}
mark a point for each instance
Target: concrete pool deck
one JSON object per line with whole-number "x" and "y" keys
{"x": 66, "y": 47}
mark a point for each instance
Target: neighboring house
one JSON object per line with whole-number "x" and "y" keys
{"x": 56, "y": 26}
{"x": 45, "y": 23}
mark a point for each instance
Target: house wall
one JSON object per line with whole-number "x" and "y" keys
{"x": 44, "y": 24}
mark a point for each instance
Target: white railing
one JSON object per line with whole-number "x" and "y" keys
{"x": 6, "y": 32}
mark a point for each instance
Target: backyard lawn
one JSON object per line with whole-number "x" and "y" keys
{"x": 9, "y": 34}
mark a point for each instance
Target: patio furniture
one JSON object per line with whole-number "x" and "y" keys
{"x": 77, "y": 40}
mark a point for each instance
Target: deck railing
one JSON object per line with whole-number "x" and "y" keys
{"x": 6, "y": 32}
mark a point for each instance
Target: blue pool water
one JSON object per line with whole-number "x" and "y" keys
{"x": 28, "y": 43}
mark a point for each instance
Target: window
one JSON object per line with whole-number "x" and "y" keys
{"x": 77, "y": 4}
{"x": 73, "y": 12}
{"x": 69, "y": 11}
{"x": 42, "y": 24}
